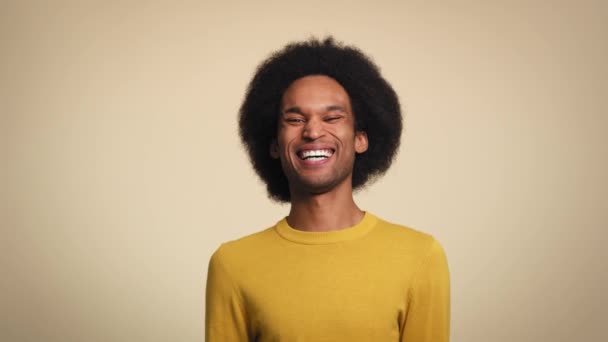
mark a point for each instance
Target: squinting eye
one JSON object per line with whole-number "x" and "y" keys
{"x": 294, "y": 120}
{"x": 332, "y": 118}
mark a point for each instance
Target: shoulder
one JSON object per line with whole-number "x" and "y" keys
{"x": 402, "y": 233}
{"x": 406, "y": 239}
{"x": 231, "y": 252}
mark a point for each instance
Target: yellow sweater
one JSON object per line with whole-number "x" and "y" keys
{"x": 373, "y": 282}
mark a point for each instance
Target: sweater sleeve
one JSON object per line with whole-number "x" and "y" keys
{"x": 428, "y": 313}
{"x": 225, "y": 318}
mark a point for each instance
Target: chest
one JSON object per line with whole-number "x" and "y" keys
{"x": 327, "y": 296}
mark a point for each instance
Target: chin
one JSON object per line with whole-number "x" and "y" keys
{"x": 318, "y": 186}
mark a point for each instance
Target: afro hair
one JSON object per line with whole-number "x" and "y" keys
{"x": 374, "y": 102}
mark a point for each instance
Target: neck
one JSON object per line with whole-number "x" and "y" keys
{"x": 333, "y": 210}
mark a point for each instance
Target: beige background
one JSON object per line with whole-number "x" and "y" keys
{"x": 122, "y": 170}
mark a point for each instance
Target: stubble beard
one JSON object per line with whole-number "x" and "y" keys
{"x": 316, "y": 185}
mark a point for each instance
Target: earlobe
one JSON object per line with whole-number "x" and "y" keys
{"x": 361, "y": 143}
{"x": 274, "y": 150}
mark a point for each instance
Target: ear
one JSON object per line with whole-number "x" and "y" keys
{"x": 361, "y": 142}
{"x": 274, "y": 149}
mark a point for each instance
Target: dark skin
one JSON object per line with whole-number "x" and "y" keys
{"x": 317, "y": 143}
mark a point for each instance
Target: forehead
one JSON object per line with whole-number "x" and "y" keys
{"x": 315, "y": 89}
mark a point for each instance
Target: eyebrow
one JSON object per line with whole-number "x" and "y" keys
{"x": 336, "y": 107}
{"x": 298, "y": 110}
{"x": 295, "y": 110}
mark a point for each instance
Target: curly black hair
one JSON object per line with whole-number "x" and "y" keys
{"x": 374, "y": 103}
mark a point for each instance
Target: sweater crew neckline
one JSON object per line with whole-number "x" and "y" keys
{"x": 319, "y": 238}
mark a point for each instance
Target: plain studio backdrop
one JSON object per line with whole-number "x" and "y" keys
{"x": 122, "y": 170}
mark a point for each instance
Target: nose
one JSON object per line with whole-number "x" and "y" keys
{"x": 313, "y": 129}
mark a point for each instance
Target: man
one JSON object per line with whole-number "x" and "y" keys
{"x": 318, "y": 121}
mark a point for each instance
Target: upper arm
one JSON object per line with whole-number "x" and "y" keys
{"x": 428, "y": 313}
{"x": 225, "y": 317}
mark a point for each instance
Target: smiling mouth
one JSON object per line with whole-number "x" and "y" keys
{"x": 314, "y": 155}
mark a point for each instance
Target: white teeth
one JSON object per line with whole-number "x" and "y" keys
{"x": 316, "y": 154}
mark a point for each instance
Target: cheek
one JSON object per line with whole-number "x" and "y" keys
{"x": 346, "y": 135}
{"x": 286, "y": 138}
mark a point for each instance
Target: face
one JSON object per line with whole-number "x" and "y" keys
{"x": 316, "y": 138}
